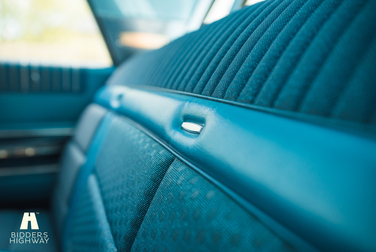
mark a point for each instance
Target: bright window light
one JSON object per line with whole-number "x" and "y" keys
{"x": 252, "y": 2}
{"x": 219, "y": 9}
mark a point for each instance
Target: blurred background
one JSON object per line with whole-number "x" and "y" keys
{"x": 65, "y": 32}
{"x": 51, "y": 31}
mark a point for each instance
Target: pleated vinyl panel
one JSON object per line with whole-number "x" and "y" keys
{"x": 313, "y": 57}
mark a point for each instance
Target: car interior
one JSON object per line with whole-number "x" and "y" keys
{"x": 248, "y": 130}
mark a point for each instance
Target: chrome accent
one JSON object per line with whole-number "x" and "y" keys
{"x": 192, "y": 127}
{"x": 30, "y": 151}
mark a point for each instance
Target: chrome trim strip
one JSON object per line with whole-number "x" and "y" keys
{"x": 30, "y": 151}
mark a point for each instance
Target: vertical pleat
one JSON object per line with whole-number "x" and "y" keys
{"x": 339, "y": 67}
{"x": 218, "y": 50}
{"x": 308, "y": 56}
{"x": 184, "y": 54}
{"x": 207, "y": 50}
{"x": 196, "y": 54}
{"x": 290, "y": 56}
{"x": 357, "y": 101}
{"x": 165, "y": 67}
{"x": 317, "y": 53}
{"x": 215, "y": 71}
{"x": 258, "y": 78}
{"x": 232, "y": 85}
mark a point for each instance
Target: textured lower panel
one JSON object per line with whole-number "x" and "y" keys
{"x": 130, "y": 167}
{"x": 90, "y": 230}
{"x": 188, "y": 213}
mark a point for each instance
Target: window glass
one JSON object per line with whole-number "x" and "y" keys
{"x": 219, "y": 9}
{"x": 252, "y": 2}
{"x": 51, "y": 31}
{"x": 151, "y": 9}
{"x": 133, "y": 26}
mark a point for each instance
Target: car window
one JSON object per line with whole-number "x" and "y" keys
{"x": 131, "y": 27}
{"x": 252, "y": 2}
{"x": 62, "y": 32}
{"x": 218, "y": 10}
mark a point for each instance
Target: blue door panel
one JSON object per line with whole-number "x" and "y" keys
{"x": 39, "y": 107}
{"x": 36, "y": 96}
{"x": 300, "y": 178}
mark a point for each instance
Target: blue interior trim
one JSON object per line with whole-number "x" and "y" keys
{"x": 283, "y": 167}
{"x": 84, "y": 173}
{"x": 50, "y": 109}
{"x": 368, "y": 131}
{"x": 285, "y": 234}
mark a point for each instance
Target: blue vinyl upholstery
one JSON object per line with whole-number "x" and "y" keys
{"x": 309, "y": 57}
{"x": 280, "y": 165}
{"x": 133, "y": 179}
{"x": 129, "y": 169}
{"x": 73, "y": 158}
{"x": 188, "y": 213}
{"x": 90, "y": 229}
